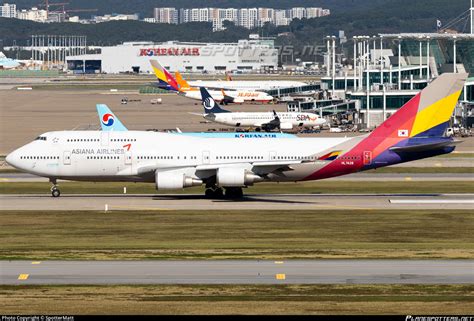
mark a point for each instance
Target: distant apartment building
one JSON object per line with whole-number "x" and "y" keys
{"x": 166, "y": 15}
{"x": 34, "y": 14}
{"x": 8, "y": 10}
{"x": 281, "y": 18}
{"x": 115, "y": 17}
{"x": 245, "y": 17}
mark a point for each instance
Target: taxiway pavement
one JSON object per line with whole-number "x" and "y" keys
{"x": 141, "y": 202}
{"x": 239, "y": 272}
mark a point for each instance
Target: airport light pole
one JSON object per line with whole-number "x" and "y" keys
{"x": 454, "y": 54}
{"x": 421, "y": 56}
{"x": 428, "y": 58}
{"x": 333, "y": 65}
{"x": 381, "y": 61}
{"x": 328, "y": 61}
{"x": 399, "y": 62}
{"x": 354, "y": 64}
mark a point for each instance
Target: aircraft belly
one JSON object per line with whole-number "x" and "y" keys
{"x": 296, "y": 172}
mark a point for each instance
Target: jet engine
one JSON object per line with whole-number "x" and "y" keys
{"x": 174, "y": 180}
{"x": 236, "y": 177}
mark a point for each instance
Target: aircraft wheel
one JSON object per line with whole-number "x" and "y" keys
{"x": 218, "y": 193}
{"x": 209, "y": 193}
{"x": 55, "y": 192}
{"x": 234, "y": 192}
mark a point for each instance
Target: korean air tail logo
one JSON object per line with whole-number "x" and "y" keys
{"x": 209, "y": 103}
{"x": 108, "y": 120}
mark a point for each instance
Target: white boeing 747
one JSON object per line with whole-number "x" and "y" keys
{"x": 416, "y": 131}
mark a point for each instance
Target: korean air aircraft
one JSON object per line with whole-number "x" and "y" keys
{"x": 170, "y": 161}
{"x": 260, "y": 120}
{"x": 110, "y": 122}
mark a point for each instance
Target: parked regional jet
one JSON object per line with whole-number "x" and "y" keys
{"x": 260, "y": 120}
{"x": 110, "y": 122}
{"x": 179, "y": 84}
{"x": 415, "y": 131}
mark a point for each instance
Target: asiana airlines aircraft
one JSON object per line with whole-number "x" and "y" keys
{"x": 226, "y": 165}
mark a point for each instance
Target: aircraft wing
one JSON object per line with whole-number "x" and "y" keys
{"x": 261, "y": 168}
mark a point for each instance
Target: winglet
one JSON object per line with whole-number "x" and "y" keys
{"x": 108, "y": 121}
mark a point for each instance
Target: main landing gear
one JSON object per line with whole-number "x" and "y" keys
{"x": 218, "y": 192}
{"x": 214, "y": 192}
{"x": 234, "y": 192}
{"x": 55, "y": 192}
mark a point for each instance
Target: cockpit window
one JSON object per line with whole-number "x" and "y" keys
{"x": 40, "y": 138}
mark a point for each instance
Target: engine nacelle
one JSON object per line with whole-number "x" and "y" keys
{"x": 174, "y": 180}
{"x": 236, "y": 177}
{"x": 286, "y": 126}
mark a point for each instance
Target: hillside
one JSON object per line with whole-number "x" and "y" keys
{"x": 365, "y": 18}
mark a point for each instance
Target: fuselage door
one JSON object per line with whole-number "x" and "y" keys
{"x": 67, "y": 158}
{"x": 273, "y": 156}
{"x": 367, "y": 157}
{"x": 128, "y": 158}
{"x": 104, "y": 138}
{"x": 206, "y": 157}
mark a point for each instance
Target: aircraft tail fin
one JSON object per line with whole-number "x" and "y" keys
{"x": 183, "y": 84}
{"x": 163, "y": 75}
{"x": 209, "y": 104}
{"x": 421, "y": 122}
{"x": 108, "y": 121}
{"x": 428, "y": 113}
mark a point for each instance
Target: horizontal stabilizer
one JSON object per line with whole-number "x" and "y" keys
{"x": 424, "y": 147}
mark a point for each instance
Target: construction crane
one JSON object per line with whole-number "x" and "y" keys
{"x": 62, "y": 7}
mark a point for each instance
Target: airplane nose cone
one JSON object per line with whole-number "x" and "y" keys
{"x": 11, "y": 159}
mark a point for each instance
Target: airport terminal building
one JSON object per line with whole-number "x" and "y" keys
{"x": 245, "y": 55}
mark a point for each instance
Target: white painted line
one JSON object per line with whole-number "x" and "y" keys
{"x": 432, "y": 201}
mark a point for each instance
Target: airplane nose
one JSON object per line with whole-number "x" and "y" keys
{"x": 11, "y": 159}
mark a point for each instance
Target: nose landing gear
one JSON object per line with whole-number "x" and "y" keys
{"x": 55, "y": 192}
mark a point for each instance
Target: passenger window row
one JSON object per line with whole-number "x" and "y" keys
{"x": 165, "y": 157}
{"x": 39, "y": 157}
{"x": 103, "y": 157}
{"x": 83, "y": 140}
{"x": 239, "y": 157}
{"x": 295, "y": 157}
{"x": 123, "y": 140}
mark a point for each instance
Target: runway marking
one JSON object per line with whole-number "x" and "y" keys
{"x": 36, "y": 262}
{"x": 23, "y": 276}
{"x": 278, "y": 262}
{"x": 432, "y": 201}
{"x": 408, "y": 179}
{"x": 280, "y": 276}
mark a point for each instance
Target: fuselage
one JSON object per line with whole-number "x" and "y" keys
{"x": 239, "y": 96}
{"x": 256, "y": 119}
{"x": 130, "y": 155}
{"x": 247, "y": 84}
